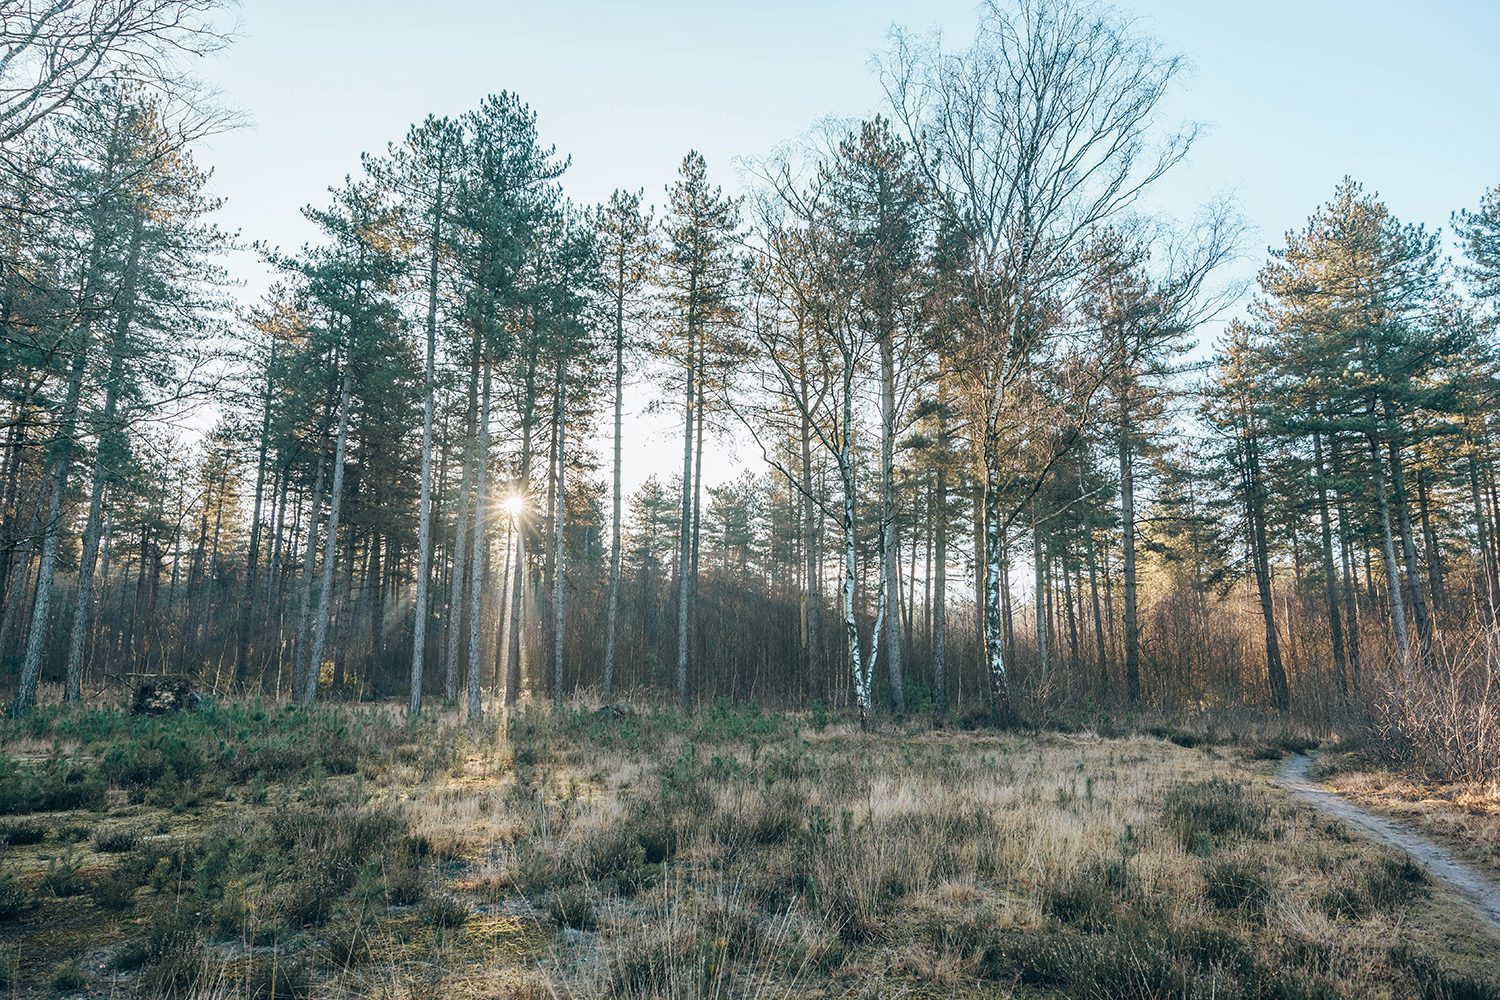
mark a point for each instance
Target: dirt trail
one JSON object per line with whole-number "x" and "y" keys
{"x": 1439, "y": 862}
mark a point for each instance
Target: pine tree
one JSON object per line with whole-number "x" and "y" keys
{"x": 698, "y": 277}
{"x": 877, "y": 197}
{"x": 628, "y": 247}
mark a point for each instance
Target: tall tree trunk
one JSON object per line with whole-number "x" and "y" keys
{"x": 104, "y": 431}
{"x": 811, "y": 598}
{"x": 1039, "y": 563}
{"x": 1491, "y": 580}
{"x": 309, "y": 564}
{"x": 502, "y": 616}
{"x": 697, "y": 504}
{"x": 62, "y": 458}
{"x": 1409, "y": 547}
{"x": 457, "y": 603}
{"x": 1388, "y": 551}
{"x": 1335, "y": 626}
{"x": 424, "y": 504}
{"x": 862, "y": 672}
{"x": 1068, "y": 611}
{"x": 888, "y": 544}
{"x": 1103, "y": 679}
{"x": 513, "y": 644}
{"x": 560, "y": 579}
{"x": 994, "y": 639}
{"x": 685, "y": 527}
{"x": 940, "y": 565}
{"x": 1127, "y": 538}
{"x": 1275, "y": 672}
{"x": 612, "y": 614}
{"x": 1430, "y": 545}
{"x": 309, "y": 692}
{"x": 252, "y": 555}
{"x": 477, "y": 551}
{"x": 1350, "y": 581}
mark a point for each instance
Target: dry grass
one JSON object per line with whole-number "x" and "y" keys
{"x": 1464, "y": 814}
{"x": 734, "y": 854}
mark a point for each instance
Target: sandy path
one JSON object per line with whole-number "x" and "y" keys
{"x": 1432, "y": 856}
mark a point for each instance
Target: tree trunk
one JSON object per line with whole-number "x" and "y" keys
{"x": 84, "y": 597}
{"x": 1491, "y": 581}
{"x": 309, "y": 692}
{"x": 811, "y": 598}
{"x": 1103, "y": 681}
{"x": 612, "y": 614}
{"x": 309, "y": 564}
{"x": 62, "y": 458}
{"x": 1127, "y": 536}
{"x": 1039, "y": 563}
{"x": 685, "y": 527}
{"x": 1408, "y": 545}
{"x": 994, "y": 650}
{"x": 888, "y": 545}
{"x": 1430, "y": 545}
{"x": 862, "y": 673}
{"x": 560, "y": 579}
{"x": 457, "y": 604}
{"x": 1388, "y": 551}
{"x": 940, "y": 566}
{"x": 1330, "y": 584}
{"x": 515, "y": 621}
{"x": 424, "y": 504}
{"x": 252, "y": 555}
{"x": 477, "y": 550}
{"x": 1275, "y": 672}
{"x": 1350, "y": 581}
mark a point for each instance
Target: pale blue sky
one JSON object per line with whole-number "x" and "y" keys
{"x": 1296, "y": 93}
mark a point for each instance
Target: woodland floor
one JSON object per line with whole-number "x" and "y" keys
{"x": 241, "y": 851}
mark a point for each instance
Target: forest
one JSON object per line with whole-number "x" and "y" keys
{"x": 1022, "y": 459}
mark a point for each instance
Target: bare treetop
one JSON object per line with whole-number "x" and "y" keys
{"x": 52, "y": 51}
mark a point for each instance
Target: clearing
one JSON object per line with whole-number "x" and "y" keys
{"x": 256, "y": 851}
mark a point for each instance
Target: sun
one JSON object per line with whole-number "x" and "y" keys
{"x": 514, "y": 504}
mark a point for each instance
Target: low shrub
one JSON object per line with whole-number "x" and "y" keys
{"x": 73, "y": 833}
{"x": 1134, "y": 960}
{"x": 15, "y": 898}
{"x": 274, "y": 977}
{"x": 1439, "y": 717}
{"x": 170, "y": 953}
{"x": 1085, "y": 896}
{"x": 22, "y": 833}
{"x": 778, "y": 816}
{"x": 574, "y": 908}
{"x": 1202, "y": 812}
{"x": 68, "y": 978}
{"x": 1389, "y": 884}
{"x": 1239, "y": 883}
{"x": 115, "y": 892}
{"x": 58, "y": 785}
{"x": 444, "y": 913}
{"x": 615, "y": 856}
{"x": 406, "y": 882}
{"x": 63, "y": 876}
{"x": 348, "y": 941}
{"x": 1434, "y": 981}
{"x": 116, "y": 840}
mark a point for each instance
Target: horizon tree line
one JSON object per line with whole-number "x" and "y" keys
{"x": 995, "y": 476}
